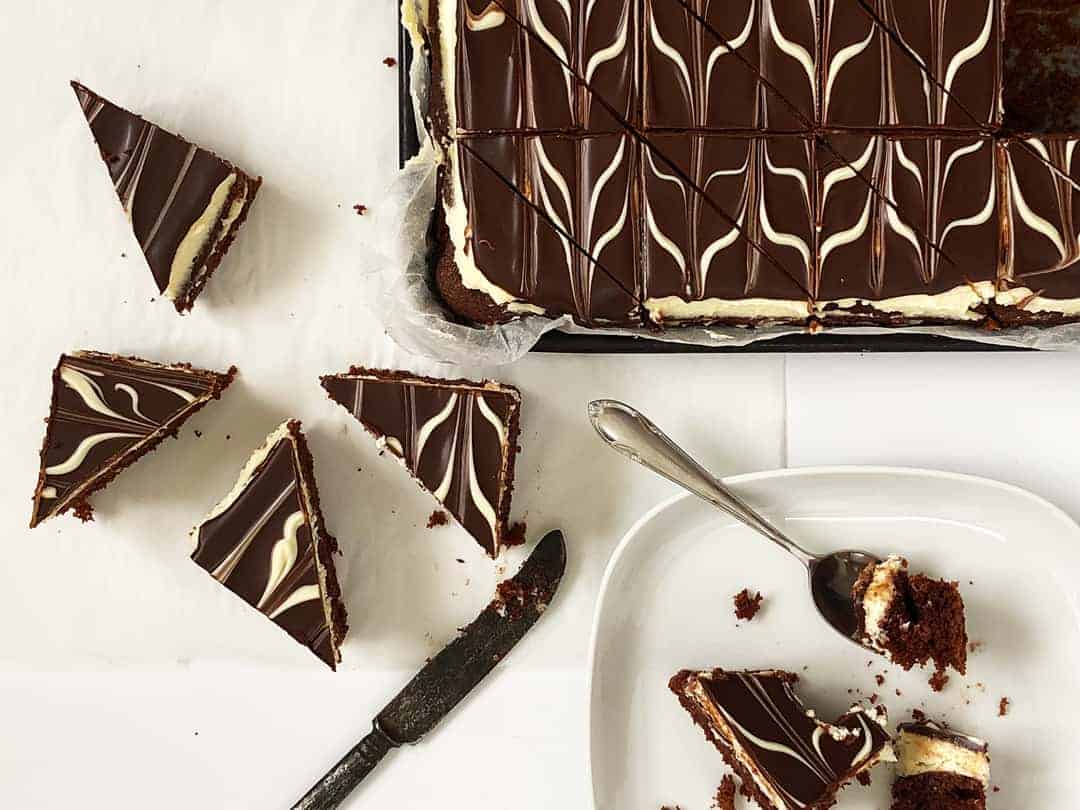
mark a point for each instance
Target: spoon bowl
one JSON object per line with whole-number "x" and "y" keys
{"x": 831, "y": 576}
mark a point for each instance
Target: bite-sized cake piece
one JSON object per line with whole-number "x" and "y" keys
{"x": 1041, "y": 261}
{"x": 184, "y": 203}
{"x": 910, "y": 618}
{"x": 939, "y": 768}
{"x": 267, "y": 542}
{"x": 458, "y": 438}
{"x": 784, "y": 755}
{"x": 1040, "y": 49}
{"x": 108, "y": 411}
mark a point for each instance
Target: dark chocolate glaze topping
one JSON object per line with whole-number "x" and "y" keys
{"x": 1043, "y": 215}
{"x": 896, "y": 63}
{"x": 936, "y": 230}
{"x": 164, "y": 183}
{"x": 104, "y": 410}
{"x": 798, "y": 755}
{"x": 260, "y": 543}
{"x": 873, "y": 166}
{"x": 932, "y": 730}
{"x": 457, "y": 438}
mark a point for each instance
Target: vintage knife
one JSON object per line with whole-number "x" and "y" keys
{"x": 450, "y": 676}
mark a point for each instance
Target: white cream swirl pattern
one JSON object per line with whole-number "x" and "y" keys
{"x": 793, "y": 759}
{"x": 455, "y": 439}
{"x": 740, "y": 176}
{"x": 260, "y": 542}
{"x": 106, "y": 409}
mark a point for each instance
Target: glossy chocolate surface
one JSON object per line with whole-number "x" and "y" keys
{"x": 261, "y": 543}
{"x": 551, "y": 221}
{"x": 802, "y": 759}
{"x": 104, "y": 410}
{"x": 932, "y": 227}
{"x": 456, "y": 438}
{"x": 762, "y": 248}
{"x": 775, "y": 151}
{"x": 1043, "y": 214}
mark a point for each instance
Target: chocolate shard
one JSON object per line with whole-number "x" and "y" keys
{"x": 458, "y": 438}
{"x": 106, "y": 412}
{"x": 784, "y": 756}
{"x": 939, "y": 767}
{"x": 185, "y": 204}
{"x": 267, "y": 542}
{"x": 1041, "y": 268}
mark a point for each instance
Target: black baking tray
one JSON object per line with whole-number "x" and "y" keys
{"x": 565, "y": 343}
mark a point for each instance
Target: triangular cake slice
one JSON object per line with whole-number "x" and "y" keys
{"x": 184, "y": 203}
{"x": 785, "y": 757}
{"x": 106, "y": 412}
{"x": 266, "y": 541}
{"x": 458, "y": 438}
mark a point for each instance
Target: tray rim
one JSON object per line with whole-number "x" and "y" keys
{"x": 631, "y": 534}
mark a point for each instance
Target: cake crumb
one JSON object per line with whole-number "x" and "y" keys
{"x": 725, "y": 794}
{"x": 938, "y": 680}
{"x": 918, "y": 715}
{"x": 360, "y": 209}
{"x": 863, "y": 778}
{"x": 515, "y": 535}
{"x": 198, "y": 434}
{"x": 975, "y": 646}
{"x": 390, "y": 62}
{"x": 437, "y": 518}
{"x": 879, "y": 679}
{"x": 1003, "y": 706}
{"x": 747, "y": 606}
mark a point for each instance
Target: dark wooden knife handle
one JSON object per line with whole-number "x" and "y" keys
{"x": 339, "y": 781}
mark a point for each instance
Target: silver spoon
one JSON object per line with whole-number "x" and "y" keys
{"x": 831, "y": 575}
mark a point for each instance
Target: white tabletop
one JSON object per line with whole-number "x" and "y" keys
{"x": 127, "y": 677}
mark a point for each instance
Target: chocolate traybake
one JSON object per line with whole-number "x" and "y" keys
{"x": 651, "y": 163}
{"x": 785, "y": 757}
{"x": 106, "y": 413}
{"x": 267, "y": 542}
{"x": 910, "y": 618}
{"x": 184, "y": 203}
{"x": 457, "y": 438}
{"x": 939, "y": 768}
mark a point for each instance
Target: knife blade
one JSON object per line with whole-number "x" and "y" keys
{"x": 448, "y": 677}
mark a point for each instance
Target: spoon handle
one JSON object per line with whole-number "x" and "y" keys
{"x": 636, "y": 437}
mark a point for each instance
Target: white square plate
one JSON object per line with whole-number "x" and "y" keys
{"x": 666, "y": 604}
